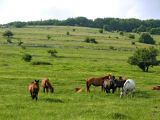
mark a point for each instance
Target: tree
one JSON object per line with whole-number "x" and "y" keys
{"x": 146, "y": 38}
{"x": 27, "y": 57}
{"x": 8, "y": 34}
{"x": 144, "y": 58}
{"x": 155, "y": 31}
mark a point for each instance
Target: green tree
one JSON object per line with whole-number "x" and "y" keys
{"x": 8, "y": 34}
{"x": 144, "y": 58}
{"x": 27, "y": 57}
{"x": 146, "y": 38}
{"x": 155, "y": 31}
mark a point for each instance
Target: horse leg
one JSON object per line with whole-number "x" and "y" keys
{"x": 102, "y": 88}
{"x": 47, "y": 90}
{"x": 88, "y": 86}
{"x": 44, "y": 89}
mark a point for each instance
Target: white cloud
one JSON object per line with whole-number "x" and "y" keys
{"x": 26, "y": 10}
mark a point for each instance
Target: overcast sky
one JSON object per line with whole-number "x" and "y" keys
{"x": 28, "y": 10}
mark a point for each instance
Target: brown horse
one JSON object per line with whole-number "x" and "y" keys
{"x": 47, "y": 86}
{"x": 156, "y": 87}
{"x": 34, "y": 89}
{"x": 97, "y": 81}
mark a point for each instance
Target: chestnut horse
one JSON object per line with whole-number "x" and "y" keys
{"x": 96, "y": 81}
{"x": 47, "y": 86}
{"x": 34, "y": 89}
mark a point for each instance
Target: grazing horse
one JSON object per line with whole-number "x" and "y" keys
{"x": 156, "y": 87}
{"x": 96, "y": 81}
{"x": 120, "y": 82}
{"x": 128, "y": 87}
{"x": 109, "y": 84}
{"x": 47, "y": 85}
{"x": 34, "y": 89}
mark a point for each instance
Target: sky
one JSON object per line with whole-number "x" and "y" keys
{"x": 30, "y": 10}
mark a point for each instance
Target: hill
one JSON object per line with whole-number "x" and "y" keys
{"x": 76, "y": 60}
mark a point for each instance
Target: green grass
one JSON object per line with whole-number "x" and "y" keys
{"x": 75, "y": 61}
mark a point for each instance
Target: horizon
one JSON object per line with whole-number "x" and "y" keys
{"x": 17, "y": 10}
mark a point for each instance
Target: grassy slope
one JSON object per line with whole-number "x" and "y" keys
{"x": 76, "y": 61}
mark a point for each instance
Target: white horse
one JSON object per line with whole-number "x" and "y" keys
{"x": 128, "y": 87}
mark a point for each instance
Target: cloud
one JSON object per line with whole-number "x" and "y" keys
{"x": 26, "y": 10}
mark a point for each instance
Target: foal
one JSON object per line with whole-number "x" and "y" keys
{"x": 34, "y": 89}
{"x": 47, "y": 86}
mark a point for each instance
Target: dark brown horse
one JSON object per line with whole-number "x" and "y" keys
{"x": 109, "y": 84}
{"x": 96, "y": 81}
{"x": 47, "y": 86}
{"x": 34, "y": 89}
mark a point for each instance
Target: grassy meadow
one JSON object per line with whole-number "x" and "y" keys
{"x": 76, "y": 60}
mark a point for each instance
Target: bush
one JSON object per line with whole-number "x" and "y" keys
{"x": 146, "y": 38}
{"x": 48, "y": 37}
{"x": 93, "y": 40}
{"x": 144, "y": 58}
{"x": 133, "y": 43}
{"x": 41, "y": 63}
{"x": 131, "y": 36}
{"x": 112, "y": 48}
{"x": 8, "y": 34}
{"x": 121, "y": 33}
{"x": 27, "y": 57}
{"x": 100, "y": 30}
{"x": 52, "y": 52}
{"x": 73, "y": 30}
{"x": 67, "y": 33}
{"x": 155, "y": 31}
{"x": 90, "y": 40}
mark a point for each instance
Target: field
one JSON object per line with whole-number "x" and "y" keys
{"x": 76, "y": 60}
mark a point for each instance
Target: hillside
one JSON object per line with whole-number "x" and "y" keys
{"x": 75, "y": 62}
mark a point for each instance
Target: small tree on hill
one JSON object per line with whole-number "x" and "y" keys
{"x": 146, "y": 38}
{"x": 144, "y": 58}
{"x": 27, "y": 57}
{"x": 8, "y": 34}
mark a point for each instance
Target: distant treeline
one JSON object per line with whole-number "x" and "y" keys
{"x": 109, "y": 24}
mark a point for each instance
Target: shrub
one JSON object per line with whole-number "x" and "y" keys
{"x": 144, "y": 58}
{"x": 20, "y": 43}
{"x": 155, "y": 31}
{"x": 67, "y": 33}
{"x": 52, "y": 52}
{"x": 41, "y": 63}
{"x": 27, "y": 57}
{"x": 146, "y": 38}
{"x": 48, "y": 37}
{"x": 111, "y": 47}
{"x": 90, "y": 40}
{"x": 87, "y": 40}
{"x": 133, "y": 43}
{"x": 8, "y": 34}
{"x": 73, "y": 30}
{"x": 121, "y": 33}
{"x": 100, "y": 30}
{"x": 131, "y": 36}
{"x": 93, "y": 40}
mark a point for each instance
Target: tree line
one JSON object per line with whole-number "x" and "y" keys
{"x": 109, "y": 24}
